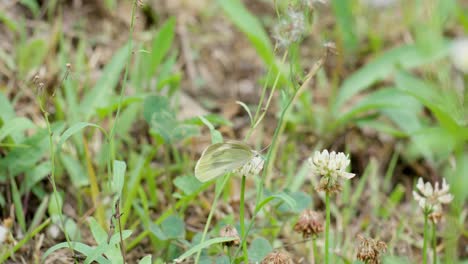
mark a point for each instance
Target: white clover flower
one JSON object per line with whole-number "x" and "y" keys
{"x": 289, "y": 29}
{"x": 430, "y": 198}
{"x": 330, "y": 167}
{"x": 459, "y": 54}
{"x": 251, "y": 168}
{"x": 3, "y": 234}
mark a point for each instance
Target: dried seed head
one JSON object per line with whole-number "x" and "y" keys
{"x": 310, "y": 223}
{"x": 277, "y": 257}
{"x": 230, "y": 231}
{"x": 289, "y": 29}
{"x": 369, "y": 250}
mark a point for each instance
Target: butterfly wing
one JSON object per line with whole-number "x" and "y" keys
{"x": 221, "y": 158}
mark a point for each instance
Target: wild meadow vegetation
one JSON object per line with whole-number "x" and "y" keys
{"x": 229, "y": 131}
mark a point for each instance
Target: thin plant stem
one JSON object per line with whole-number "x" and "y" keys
{"x": 242, "y": 221}
{"x": 434, "y": 243}
{"x": 218, "y": 193}
{"x": 327, "y": 228}
{"x": 426, "y": 234}
{"x": 313, "y": 251}
{"x": 269, "y": 156}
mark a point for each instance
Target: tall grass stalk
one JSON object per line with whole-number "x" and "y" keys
{"x": 45, "y": 113}
{"x": 114, "y": 124}
{"x": 426, "y": 237}
{"x": 269, "y": 157}
{"x": 434, "y": 243}
{"x": 242, "y": 221}
{"x": 218, "y": 192}
{"x": 327, "y": 228}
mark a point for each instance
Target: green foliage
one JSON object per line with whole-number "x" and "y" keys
{"x": 162, "y": 120}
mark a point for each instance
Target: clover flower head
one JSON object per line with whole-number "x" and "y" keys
{"x": 369, "y": 250}
{"x": 430, "y": 198}
{"x": 459, "y": 54}
{"x": 310, "y": 223}
{"x": 252, "y": 167}
{"x": 289, "y": 29}
{"x": 3, "y": 234}
{"x": 230, "y": 231}
{"x": 330, "y": 167}
{"x": 277, "y": 257}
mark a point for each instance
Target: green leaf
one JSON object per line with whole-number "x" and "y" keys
{"x": 345, "y": 23}
{"x": 203, "y": 245}
{"x": 101, "y": 93}
{"x": 253, "y": 29}
{"x": 384, "y": 98}
{"x": 99, "y": 234}
{"x": 302, "y": 201}
{"x": 31, "y": 55}
{"x": 18, "y": 204}
{"x": 146, "y": 260}
{"x": 118, "y": 177}
{"x": 157, "y": 232}
{"x": 15, "y": 127}
{"x": 216, "y": 136}
{"x": 173, "y": 227}
{"x": 32, "y": 5}
{"x": 75, "y": 129}
{"x": 78, "y": 175}
{"x": 161, "y": 44}
{"x": 188, "y": 184}
{"x": 258, "y": 249}
{"x": 7, "y": 111}
{"x": 77, "y": 246}
{"x": 406, "y": 57}
{"x": 159, "y": 115}
{"x": 55, "y": 204}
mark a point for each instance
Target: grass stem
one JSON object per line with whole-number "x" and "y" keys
{"x": 426, "y": 234}
{"x": 434, "y": 243}
{"x": 242, "y": 221}
{"x": 327, "y": 228}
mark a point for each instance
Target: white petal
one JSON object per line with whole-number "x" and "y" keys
{"x": 347, "y": 175}
{"x": 445, "y": 199}
{"x": 420, "y": 185}
{"x": 416, "y": 196}
{"x": 428, "y": 191}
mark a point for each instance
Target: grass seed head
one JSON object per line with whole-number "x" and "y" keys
{"x": 289, "y": 29}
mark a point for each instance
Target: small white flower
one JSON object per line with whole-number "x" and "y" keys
{"x": 430, "y": 198}
{"x": 251, "y": 168}
{"x": 3, "y": 234}
{"x": 459, "y": 54}
{"x": 331, "y": 167}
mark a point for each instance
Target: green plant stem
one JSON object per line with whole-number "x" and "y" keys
{"x": 23, "y": 241}
{"x": 327, "y": 228}
{"x": 242, "y": 221}
{"x": 434, "y": 243}
{"x": 426, "y": 234}
{"x": 218, "y": 192}
{"x": 313, "y": 252}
